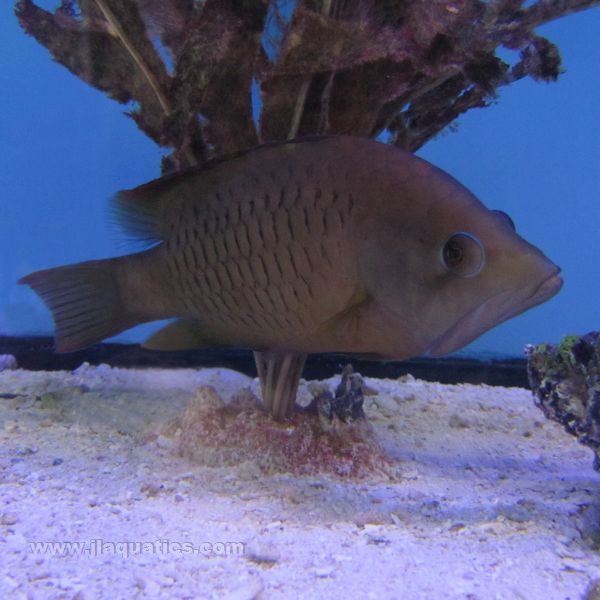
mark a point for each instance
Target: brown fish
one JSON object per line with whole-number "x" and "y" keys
{"x": 319, "y": 245}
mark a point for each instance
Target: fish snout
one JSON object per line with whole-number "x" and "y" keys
{"x": 539, "y": 276}
{"x": 550, "y": 286}
{"x": 537, "y": 280}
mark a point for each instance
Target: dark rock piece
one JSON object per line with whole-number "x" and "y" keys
{"x": 347, "y": 404}
{"x": 565, "y": 380}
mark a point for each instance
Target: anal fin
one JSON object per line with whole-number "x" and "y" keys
{"x": 183, "y": 334}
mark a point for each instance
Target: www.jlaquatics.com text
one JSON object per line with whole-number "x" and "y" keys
{"x": 99, "y": 547}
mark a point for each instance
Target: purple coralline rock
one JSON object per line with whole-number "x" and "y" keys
{"x": 565, "y": 380}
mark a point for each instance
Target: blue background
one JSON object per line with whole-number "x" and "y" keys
{"x": 535, "y": 154}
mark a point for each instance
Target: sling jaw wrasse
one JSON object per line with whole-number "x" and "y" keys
{"x": 333, "y": 244}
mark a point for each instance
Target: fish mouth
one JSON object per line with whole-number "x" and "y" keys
{"x": 492, "y": 312}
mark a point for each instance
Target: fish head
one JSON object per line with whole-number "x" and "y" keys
{"x": 491, "y": 275}
{"x": 446, "y": 267}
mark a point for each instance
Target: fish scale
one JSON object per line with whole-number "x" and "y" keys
{"x": 263, "y": 234}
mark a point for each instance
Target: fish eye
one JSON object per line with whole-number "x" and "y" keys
{"x": 463, "y": 255}
{"x": 506, "y": 218}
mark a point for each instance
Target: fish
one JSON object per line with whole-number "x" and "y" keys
{"x": 327, "y": 244}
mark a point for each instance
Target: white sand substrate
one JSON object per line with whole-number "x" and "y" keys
{"x": 488, "y": 500}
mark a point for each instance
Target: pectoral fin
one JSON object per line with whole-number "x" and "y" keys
{"x": 345, "y": 323}
{"x": 341, "y": 331}
{"x": 183, "y": 334}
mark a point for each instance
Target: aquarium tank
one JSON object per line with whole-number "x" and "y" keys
{"x": 105, "y": 96}
{"x": 299, "y": 299}
{"x": 137, "y": 90}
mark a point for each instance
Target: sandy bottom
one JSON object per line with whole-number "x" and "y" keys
{"x": 105, "y": 495}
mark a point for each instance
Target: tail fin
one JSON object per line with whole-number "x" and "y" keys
{"x": 84, "y": 301}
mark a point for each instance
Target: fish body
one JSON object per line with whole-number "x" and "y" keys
{"x": 335, "y": 244}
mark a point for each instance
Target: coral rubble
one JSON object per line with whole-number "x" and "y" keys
{"x": 7, "y": 361}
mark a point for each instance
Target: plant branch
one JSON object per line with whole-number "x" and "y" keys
{"x": 544, "y": 11}
{"x": 301, "y": 101}
{"x": 342, "y": 66}
{"x": 137, "y": 57}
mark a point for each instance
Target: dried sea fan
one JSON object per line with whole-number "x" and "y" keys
{"x": 363, "y": 67}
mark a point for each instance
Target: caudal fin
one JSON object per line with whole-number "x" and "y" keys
{"x": 84, "y": 301}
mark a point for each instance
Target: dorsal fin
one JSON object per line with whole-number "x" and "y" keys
{"x": 138, "y": 216}
{"x": 161, "y": 184}
{"x": 139, "y": 210}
